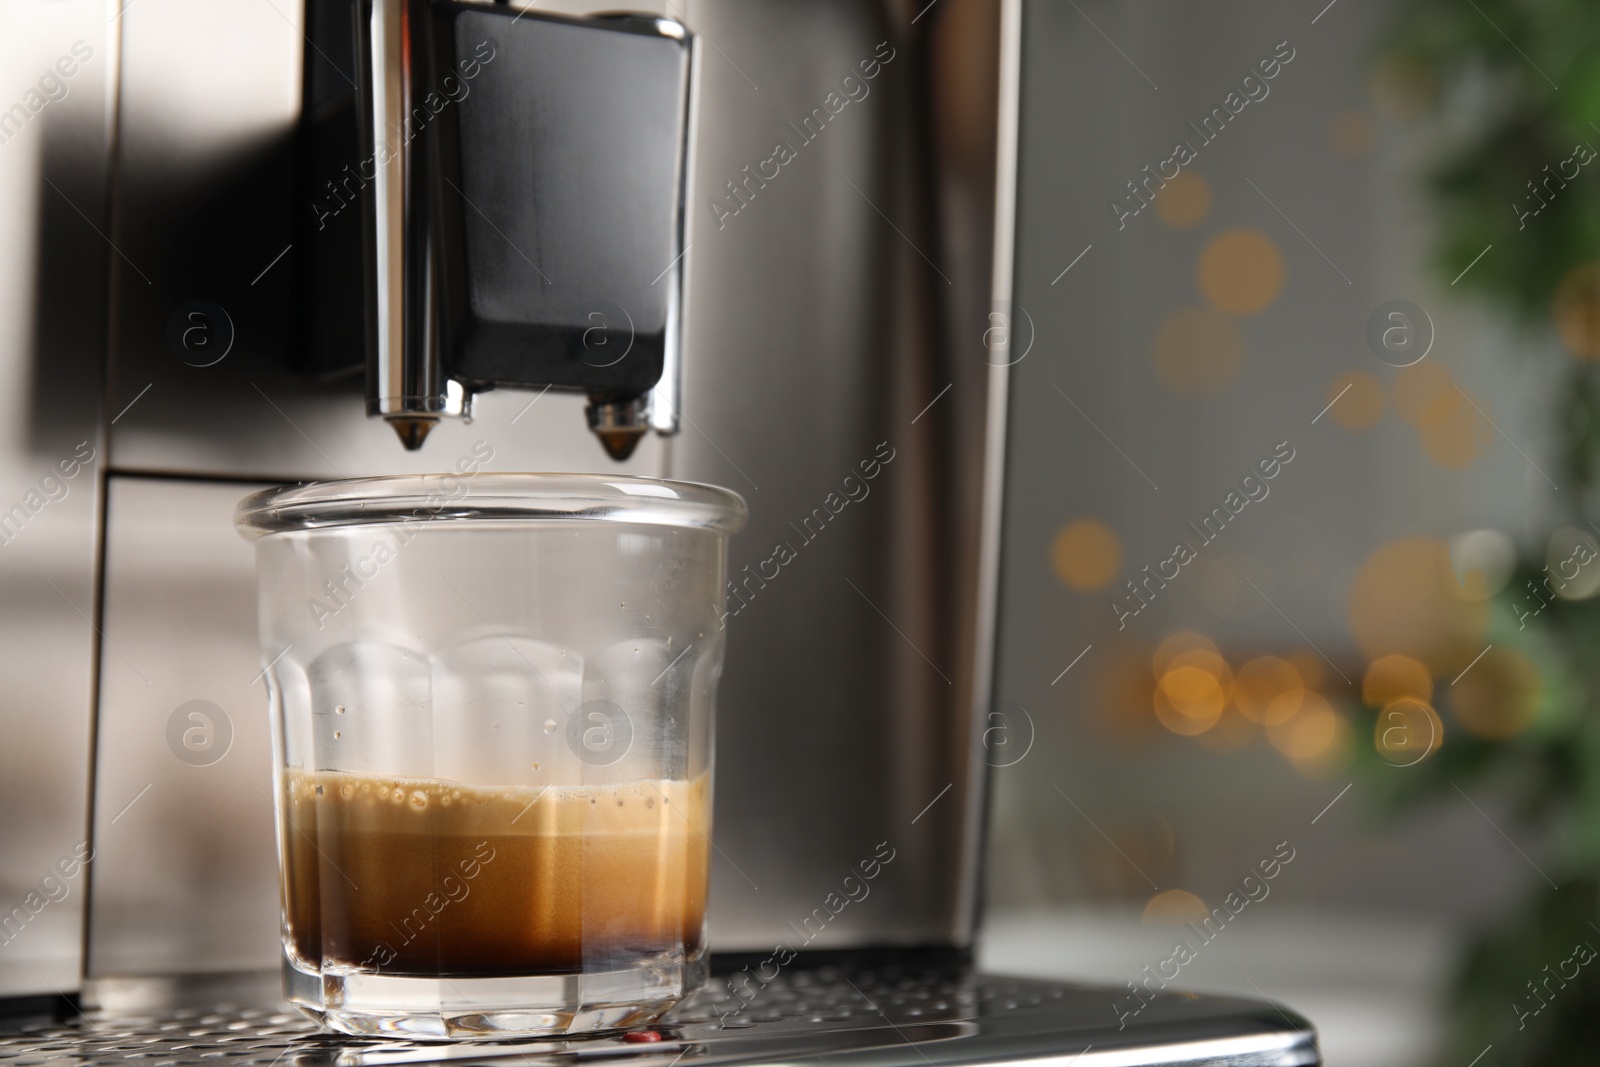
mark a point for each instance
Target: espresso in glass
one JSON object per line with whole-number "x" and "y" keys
{"x": 432, "y": 879}
{"x": 492, "y": 700}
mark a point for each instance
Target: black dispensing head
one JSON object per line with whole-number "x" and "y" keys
{"x": 524, "y": 188}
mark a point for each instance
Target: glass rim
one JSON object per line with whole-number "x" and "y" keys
{"x": 489, "y": 497}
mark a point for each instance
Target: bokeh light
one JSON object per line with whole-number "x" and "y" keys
{"x": 1124, "y": 692}
{"x": 1577, "y": 311}
{"x": 1317, "y": 740}
{"x": 1269, "y": 690}
{"x": 1193, "y": 683}
{"x": 1086, "y": 555}
{"x": 1405, "y": 599}
{"x": 1572, "y": 563}
{"x": 1189, "y": 699}
{"x": 1197, "y": 351}
{"x": 1417, "y": 387}
{"x": 1407, "y": 731}
{"x": 1498, "y": 698}
{"x": 1360, "y": 400}
{"x": 1177, "y": 644}
{"x": 1454, "y": 431}
{"x": 1351, "y": 133}
{"x": 1483, "y": 562}
{"x": 1184, "y": 201}
{"x": 1396, "y": 677}
{"x": 1241, "y": 272}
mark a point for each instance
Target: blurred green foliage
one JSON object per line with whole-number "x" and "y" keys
{"x": 1524, "y": 124}
{"x": 1488, "y": 72}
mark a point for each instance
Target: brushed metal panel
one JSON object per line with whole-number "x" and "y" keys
{"x": 823, "y": 319}
{"x": 185, "y": 873}
{"x": 54, "y": 148}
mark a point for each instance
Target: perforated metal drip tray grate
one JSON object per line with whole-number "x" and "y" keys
{"x": 879, "y": 1015}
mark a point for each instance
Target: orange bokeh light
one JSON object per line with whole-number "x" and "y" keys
{"x": 1406, "y": 599}
{"x": 1499, "y": 696}
{"x": 1392, "y": 678}
{"x": 1086, "y": 554}
{"x": 1174, "y": 645}
{"x": 1197, "y": 351}
{"x": 1184, "y": 201}
{"x": 1315, "y": 738}
{"x": 1269, "y": 690}
{"x": 1407, "y": 732}
{"x": 1241, "y": 272}
{"x": 1189, "y": 699}
{"x": 1577, "y": 311}
{"x": 1357, "y": 399}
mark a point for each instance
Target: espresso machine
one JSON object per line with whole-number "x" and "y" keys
{"x": 756, "y": 243}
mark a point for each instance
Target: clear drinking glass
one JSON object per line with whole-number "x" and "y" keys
{"x": 492, "y": 701}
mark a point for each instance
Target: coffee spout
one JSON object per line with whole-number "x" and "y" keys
{"x": 619, "y": 424}
{"x": 413, "y": 432}
{"x": 619, "y": 444}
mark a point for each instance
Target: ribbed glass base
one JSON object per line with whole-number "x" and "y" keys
{"x": 463, "y": 1009}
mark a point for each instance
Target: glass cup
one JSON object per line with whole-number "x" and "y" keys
{"x": 492, "y": 701}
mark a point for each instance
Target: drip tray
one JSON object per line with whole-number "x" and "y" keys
{"x": 885, "y": 1016}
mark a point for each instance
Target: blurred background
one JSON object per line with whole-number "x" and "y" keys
{"x": 1380, "y": 260}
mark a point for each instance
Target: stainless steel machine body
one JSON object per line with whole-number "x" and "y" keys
{"x": 834, "y": 325}
{"x": 837, "y": 317}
